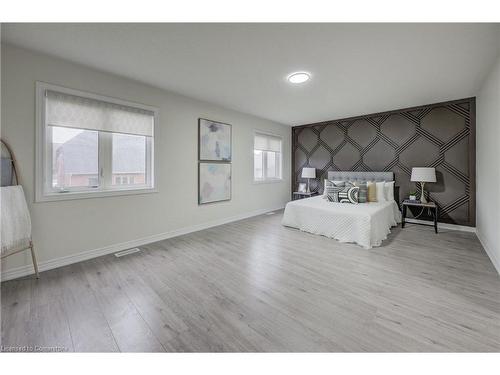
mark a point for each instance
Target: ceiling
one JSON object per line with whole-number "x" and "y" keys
{"x": 356, "y": 68}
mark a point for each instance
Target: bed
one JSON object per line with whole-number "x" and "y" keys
{"x": 366, "y": 224}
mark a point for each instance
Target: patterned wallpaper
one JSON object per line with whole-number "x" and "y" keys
{"x": 440, "y": 135}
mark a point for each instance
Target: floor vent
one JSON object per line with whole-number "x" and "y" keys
{"x": 127, "y": 252}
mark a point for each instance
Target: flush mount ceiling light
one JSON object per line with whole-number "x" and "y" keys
{"x": 298, "y": 77}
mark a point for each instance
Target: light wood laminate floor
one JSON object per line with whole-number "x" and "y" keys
{"x": 254, "y": 285}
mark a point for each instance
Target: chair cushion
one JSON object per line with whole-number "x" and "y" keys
{"x": 22, "y": 244}
{"x": 16, "y": 222}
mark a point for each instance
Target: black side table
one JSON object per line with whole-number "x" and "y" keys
{"x": 431, "y": 206}
{"x": 300, "y": 195}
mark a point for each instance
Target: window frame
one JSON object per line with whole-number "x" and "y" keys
{"x": 265, "y": 179}
{"x": 43, "y": 153}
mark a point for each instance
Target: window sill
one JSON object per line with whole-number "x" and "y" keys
{"x": 92, "y": 194}
{"x": 273, "y": 181}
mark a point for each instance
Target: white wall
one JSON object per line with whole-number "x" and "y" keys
{"x": 66, "y": 228}
{"x": 488, "y": 165}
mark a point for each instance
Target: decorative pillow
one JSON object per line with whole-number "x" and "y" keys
{"x": 372, "y": 191}
{"x": 332, "y": 188}
{"x": 349, "y": 195}
{"x": 330, "y": 182}
{"x": 363, "y": 191}
{"x": 389, "y": 191}
{"x": 381, "y": 191}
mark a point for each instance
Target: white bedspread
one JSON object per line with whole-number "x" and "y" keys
{"x": 366, "y": 224}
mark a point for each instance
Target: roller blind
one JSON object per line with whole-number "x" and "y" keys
{"x": 73, "y": 111}
{"x": 264, "y": 142}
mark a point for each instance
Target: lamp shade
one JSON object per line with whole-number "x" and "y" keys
{"x": 308, "y": 172}
{"x": 420, "y": 174}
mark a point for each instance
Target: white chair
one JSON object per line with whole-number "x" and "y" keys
{"x": 15, "y": 216}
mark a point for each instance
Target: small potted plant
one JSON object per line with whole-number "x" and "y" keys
{"x": 413, "y": 195}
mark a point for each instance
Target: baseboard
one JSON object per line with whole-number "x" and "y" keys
{"x": 462, "y": 228}
{"x": 489, "y": 251}
{"x": 26, "y": 270}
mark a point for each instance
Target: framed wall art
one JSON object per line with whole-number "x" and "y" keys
{"x": 214, "y": 182}
{"x": 214, "y": 141}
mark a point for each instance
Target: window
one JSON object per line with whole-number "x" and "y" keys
{"x": 266, "y": 158}
{"x": 90, "y": 145}
{"x": 129, "y": 159}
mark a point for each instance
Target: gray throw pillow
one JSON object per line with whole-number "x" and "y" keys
{"x": 363, "y": 191}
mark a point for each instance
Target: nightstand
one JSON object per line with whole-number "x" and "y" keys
{"x": 298, "y": 195}
{"x": 431, "y": 206}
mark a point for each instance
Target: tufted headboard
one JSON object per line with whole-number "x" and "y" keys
{"x": 365, "y": 176}
{"x": 360, "y": 176}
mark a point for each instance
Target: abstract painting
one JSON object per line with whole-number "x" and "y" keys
{"x": 214, "y": 182}
{"x": 214, "y": 140}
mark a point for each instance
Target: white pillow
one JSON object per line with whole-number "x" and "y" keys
{"x": 389, "y": 191}
{"x": 381, "y": 191}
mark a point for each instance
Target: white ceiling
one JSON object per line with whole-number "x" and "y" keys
{"x": 357, "y": 68}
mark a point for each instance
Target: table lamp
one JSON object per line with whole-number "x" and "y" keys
{"x": 423, "y": 175}
{"x": 308, "y": 173}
